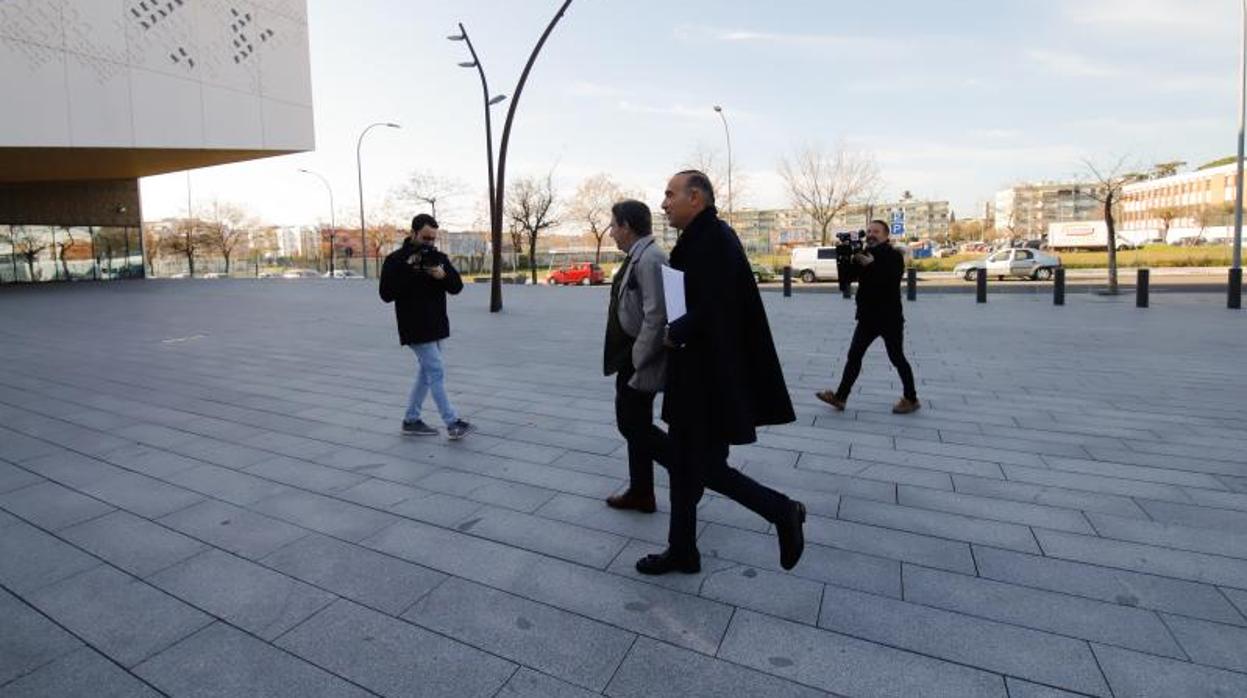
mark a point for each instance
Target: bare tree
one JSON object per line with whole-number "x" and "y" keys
{"x": 825, "y": 183}
{"x": 531, "y": 206}
{"x": 1109, "y": 184}
{"x": 713, "y": 164}
{"x": 517, "y": 243}
{"x": 591, "y": 206}
{"x": 28, "y": 244}
{"x": 67, "y": 241}
{"x": 153, "y": 243}
{"x": 1167, "y": 214}
{"x": 187, "y": 239}
{"x": 429, "y": 188}
{"x": 226, "y": 230}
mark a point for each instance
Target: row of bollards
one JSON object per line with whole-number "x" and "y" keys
{"x": 1142, "y": 286}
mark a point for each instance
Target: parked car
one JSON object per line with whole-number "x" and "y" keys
{"x": 300, "y": 274}
{"x": 180, "y": 275}
{"x": 342, "y": 274}
{"x": 216, "y": 275}
{"x": 762, "y": 273}
{"x": 583, "y": 274}
{"x": 268, "y": 275}
{"x": 1020, "y": 262}
{"x": 812, "y": 264}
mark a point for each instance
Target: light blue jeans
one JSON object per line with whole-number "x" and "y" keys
{"x": 432, "y": 377}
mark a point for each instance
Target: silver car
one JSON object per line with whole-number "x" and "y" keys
{"x": 1019, "y": 262}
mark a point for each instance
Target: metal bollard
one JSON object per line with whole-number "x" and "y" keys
{"x": 1058, "y": 287}
{"x": 1235, "y": 300}
{"x": 911, "y": 284}
{"x": 787, "y": 282}
{"x": 1141, "y": 288}
{"x": 982, "y": 285}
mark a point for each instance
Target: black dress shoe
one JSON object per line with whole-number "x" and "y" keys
{"x": 665, "y": 562}
{"x": 634, "y": 501}
{"x": 791, "y": 535}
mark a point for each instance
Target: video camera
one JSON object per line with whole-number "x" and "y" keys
{"x": 847, "y": 244}
{"x": 424, "y": 257}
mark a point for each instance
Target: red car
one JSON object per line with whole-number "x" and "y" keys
{"x": 584, "y": 274}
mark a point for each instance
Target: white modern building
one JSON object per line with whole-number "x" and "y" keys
{"x": 1026, "y": 210}
{"x": 97, "y": 93}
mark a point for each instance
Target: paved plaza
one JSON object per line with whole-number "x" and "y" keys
{"x": 203, "y": 491}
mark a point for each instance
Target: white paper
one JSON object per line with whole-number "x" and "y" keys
{"x": 673, "y": 292}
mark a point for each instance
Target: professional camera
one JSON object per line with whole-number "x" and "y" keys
{"x": 424, "y": 258}
{"x": 847, "y": 245}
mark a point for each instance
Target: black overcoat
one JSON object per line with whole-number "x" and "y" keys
{"x": 725, "y": 379}
{"x": 419, "y": 299}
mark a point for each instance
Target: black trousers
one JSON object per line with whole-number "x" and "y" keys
{"x": 634, "y": 416}
{"x": 893, "y": 334}
{"x": 700, "y": 463}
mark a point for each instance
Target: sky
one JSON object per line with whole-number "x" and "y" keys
{"x": 954, "y": 99}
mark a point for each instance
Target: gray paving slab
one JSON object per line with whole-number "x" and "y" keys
{"x": 1114, "y": 585}
{"x": 131, "y": 543}
{"x": 305, "y": 475}
{"x": 140, "y": 494}
{"x": 332, "y": 517}
{"x": 654, "y": 668}
{"x": 379, "y": 494}
{"x": 625, "y": 566}
{"x": 224, "y": 662}
{"x": 1195, "y": 516}
{"x": 1198, "y": 567}
{"x": 117, "y": 614}
{"x": 818, "y": 563}
{"x": 593, "y": 513}
{"x": 891, "y": 544}
{"x": 576, "y": 649}
{"x": 1007, "y": 649}
{"x": 526, "y": 683}
{"x": 70, "y": 469}
{"x": 19, "y": 448}
{"x": 52, "y": 506}
{"x": 28, "y": 640}
{"x": 952, "y": 526}
{"x": 1135, "y": 674}
{"x": 1025, "y": 689}
{"x": 223, "y": 483}
{"x": 243, "y": 593}
{"x": 393, "y": 657}
{"x": 1211, "y": 644}
{"x": 1239, "y": 598}
{"x": 1095, "y": 483}
{"x": 234, "y": 529}
{"x": 1134, "y": 472}
{"x": 31, "y": 559}
{"x": 562, "y": 540}
{"x": 487, "y": 490}
{"x": 84, "y": 672}
{"x": 15, "y": 478}
{"x": 929, "y": 461}
{"x": 438, "y": 509}
{"x": 1049, "y": 496}
{"x": 149, "y": 460}
{"x": 1171, "y": 535}
{"x": 846, "y": 665}
{"x": 367, "y": 577}
{"x": 1063, "y": 614}
{"x": 995, "y": 509}
{"x": 773, "y": 593}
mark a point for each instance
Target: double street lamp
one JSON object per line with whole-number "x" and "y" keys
{"x": 333, "y": 227}
{"x": 359, "y": 169}
{"x": 728, "y": 134}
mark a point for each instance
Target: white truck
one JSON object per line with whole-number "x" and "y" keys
{"x": 1092, "y": 235}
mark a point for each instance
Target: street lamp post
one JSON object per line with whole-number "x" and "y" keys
{"x": 495, "y": 291}
{"x": 359, "y": 169}
{"x": 333, "y": 226}
{"x": 728, "y": 134}
{"x": 1236, "y": 271}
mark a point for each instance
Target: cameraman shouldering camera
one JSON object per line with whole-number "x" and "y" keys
{"x": 878, "y": 270}
{"x": 416, "y": 278}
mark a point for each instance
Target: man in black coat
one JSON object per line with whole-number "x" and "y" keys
{"x": 723, "y": 380}
{"x": 877, "y": 270}
{"x": 416, "y": 278}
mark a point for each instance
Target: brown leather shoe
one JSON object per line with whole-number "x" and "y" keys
{"x": 829, "y": 397}
{"x": 905, "y": 406}
{"x": 633, "y": 501}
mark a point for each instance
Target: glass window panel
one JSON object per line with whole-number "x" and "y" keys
{"x": 33, "y": 246}
{"x": 8, "y": 261}
{"x": 73, "y": 254}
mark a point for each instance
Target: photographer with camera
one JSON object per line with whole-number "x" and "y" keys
{"x": 416, "y": 278}
{"x": 878, "y": 269}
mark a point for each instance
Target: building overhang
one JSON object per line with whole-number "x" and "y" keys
{"x": 28, "y": 164}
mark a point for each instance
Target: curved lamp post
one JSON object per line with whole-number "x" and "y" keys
{"x": 359, "y": 169}
{"x": 333, "y": 227}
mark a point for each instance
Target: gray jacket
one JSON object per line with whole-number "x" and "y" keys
{"x": 643, "y": 314}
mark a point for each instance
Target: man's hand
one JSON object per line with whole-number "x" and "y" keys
{"x": 863, "y": 259}
{"x": 438, "y": 272}
{"x": 666, "y": 338}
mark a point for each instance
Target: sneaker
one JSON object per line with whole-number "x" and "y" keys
{"x": 418, "y": 428}
{"x": 905, "y": 406}
{"x": 458, "y": 430}
{"x": 829, "y": 397}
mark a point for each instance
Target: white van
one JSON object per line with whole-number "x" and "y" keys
{"x": 812, "y": 264}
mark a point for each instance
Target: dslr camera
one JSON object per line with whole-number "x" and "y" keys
{"x": 424, "y": 258}
{"x": 847, "y": 244}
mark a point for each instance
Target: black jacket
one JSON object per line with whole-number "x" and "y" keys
{"x": 879, "y": 286}
{"x": 725, "y": 380}
{"x": 419, "y": 299}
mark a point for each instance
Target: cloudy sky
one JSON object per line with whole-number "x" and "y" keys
{"x": 956, "y": 99}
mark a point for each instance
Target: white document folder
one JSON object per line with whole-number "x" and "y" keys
{"x": 673, "y": 293}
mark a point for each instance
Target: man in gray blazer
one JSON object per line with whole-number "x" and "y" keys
{"x": 634, "y": 350}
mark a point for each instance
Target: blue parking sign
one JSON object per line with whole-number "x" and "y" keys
{"x": 898, "y": 221}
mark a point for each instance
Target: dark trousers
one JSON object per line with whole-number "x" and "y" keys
{"x": 701, "y": 462}
{"x": 893, "y": 334}
{"x": 634, "y": 415}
